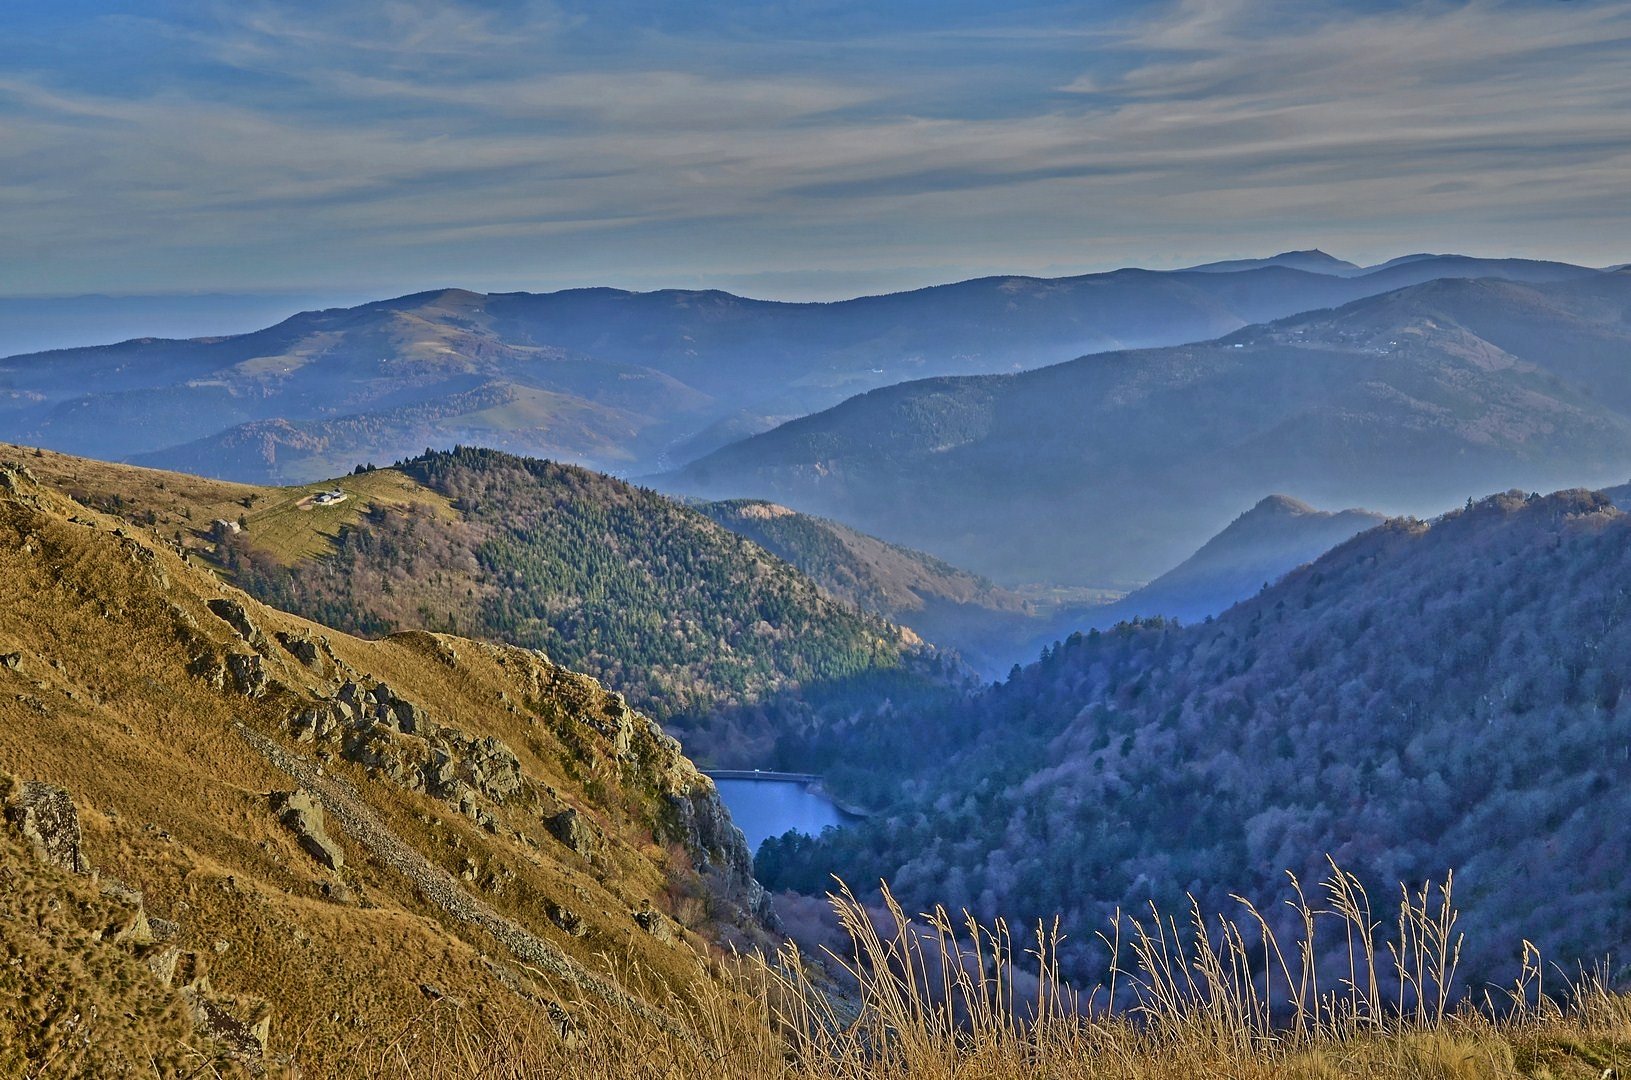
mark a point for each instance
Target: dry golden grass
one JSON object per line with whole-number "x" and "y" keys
{"x": 281, "y": 521}
{"x": 174, "y": 801}
{"x": 937, "y": 1000}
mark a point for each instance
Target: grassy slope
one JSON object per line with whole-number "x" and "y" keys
{"x": 109, "y": 625}
{"x": 692, "y": 621}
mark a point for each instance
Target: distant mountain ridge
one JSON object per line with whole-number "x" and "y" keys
{"x": 611, "y": 379}
{"x": 1254, "y": 551}
{"x": 1313, "y": 260}
{"x": 1115, "y": 467}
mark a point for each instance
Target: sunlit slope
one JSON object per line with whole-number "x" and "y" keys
{"x": 473, "y": 823}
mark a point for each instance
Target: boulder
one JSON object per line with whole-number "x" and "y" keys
{"x": 494, "y": 768}
{"x": 248, "y": 673}
{"x": 568, "y": 920}
{"x": 49, "y": 821}
{"x": 405, "y": 716}
{"x": 233, "y": 614}
{"x": 301, "y": 648}
{"x": 570, "y": 828}
{"x": 653, "y": 923}
{"x": 303, "y": 816}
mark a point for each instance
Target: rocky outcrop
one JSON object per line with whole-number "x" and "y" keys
{"x": 438, "y": 886}
{"x": 303, "y": 816}
{"x": 571, "y": 829}
{"x": 47, "y": 818}
{"x": 302, "y": 648}
{"x": 233, "y": 614}
{"x": 654, "y": 923}
{"x": 247, "y": 671}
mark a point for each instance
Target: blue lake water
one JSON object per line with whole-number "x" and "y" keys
{"x": 763, "y": 808}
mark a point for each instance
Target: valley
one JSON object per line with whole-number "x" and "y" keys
{"x": 1253, "y": 700}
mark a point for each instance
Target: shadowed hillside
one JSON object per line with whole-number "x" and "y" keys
{"x": 725, "y": 643}
{"x": 950, "y": 607}
{"x": 1426, "y": 697}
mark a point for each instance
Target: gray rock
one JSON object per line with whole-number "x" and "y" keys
{"x": 494, "y": 768}
{"x": 571, "y": 829}
{"x": 406, "y": 716}
{"x": 233, "y": 614}
{"x": 653, "y": 923}
{"x": 248, "y": 673}
{"x": 12, "y": 660}
{"x": 567, "y": 919}
{"x": 303, "y": 816}
{"x": 301, "y": 648}
{"x": 49, "y": 821}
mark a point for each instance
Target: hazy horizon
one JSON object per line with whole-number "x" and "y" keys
{"x": 40, "y": 323}
{"x": 800, "y": 153}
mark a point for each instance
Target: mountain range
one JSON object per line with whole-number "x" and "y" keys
{"x": 1254, "y": 551}
{"x": 628, "y": 382}
{"x": 1112, "y": 468}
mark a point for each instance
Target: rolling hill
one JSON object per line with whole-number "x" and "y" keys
{"x": 1111, "y": 469}
{"x": 239, "y": 843}
{"x": 726, "y": 644}
{"x": 612, "y": 379}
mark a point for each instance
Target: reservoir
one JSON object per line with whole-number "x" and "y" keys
{"x": 770, "y": 807}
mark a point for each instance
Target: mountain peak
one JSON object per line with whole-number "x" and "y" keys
{"x": 1280, "y": 505}
{"x": 1310, "y": 260}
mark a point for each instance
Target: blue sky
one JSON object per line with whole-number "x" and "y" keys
{"x": 814, "y": 149}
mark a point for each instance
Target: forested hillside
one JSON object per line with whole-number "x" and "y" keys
{"x": 985, "y": 624}
{"x": 1426, "y": 697}
{"x": 700, "y": 627}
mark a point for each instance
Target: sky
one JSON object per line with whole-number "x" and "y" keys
{"x": 790, "y": 149}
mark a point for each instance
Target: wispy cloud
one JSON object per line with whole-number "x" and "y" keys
{"x": 520, "y": 144}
